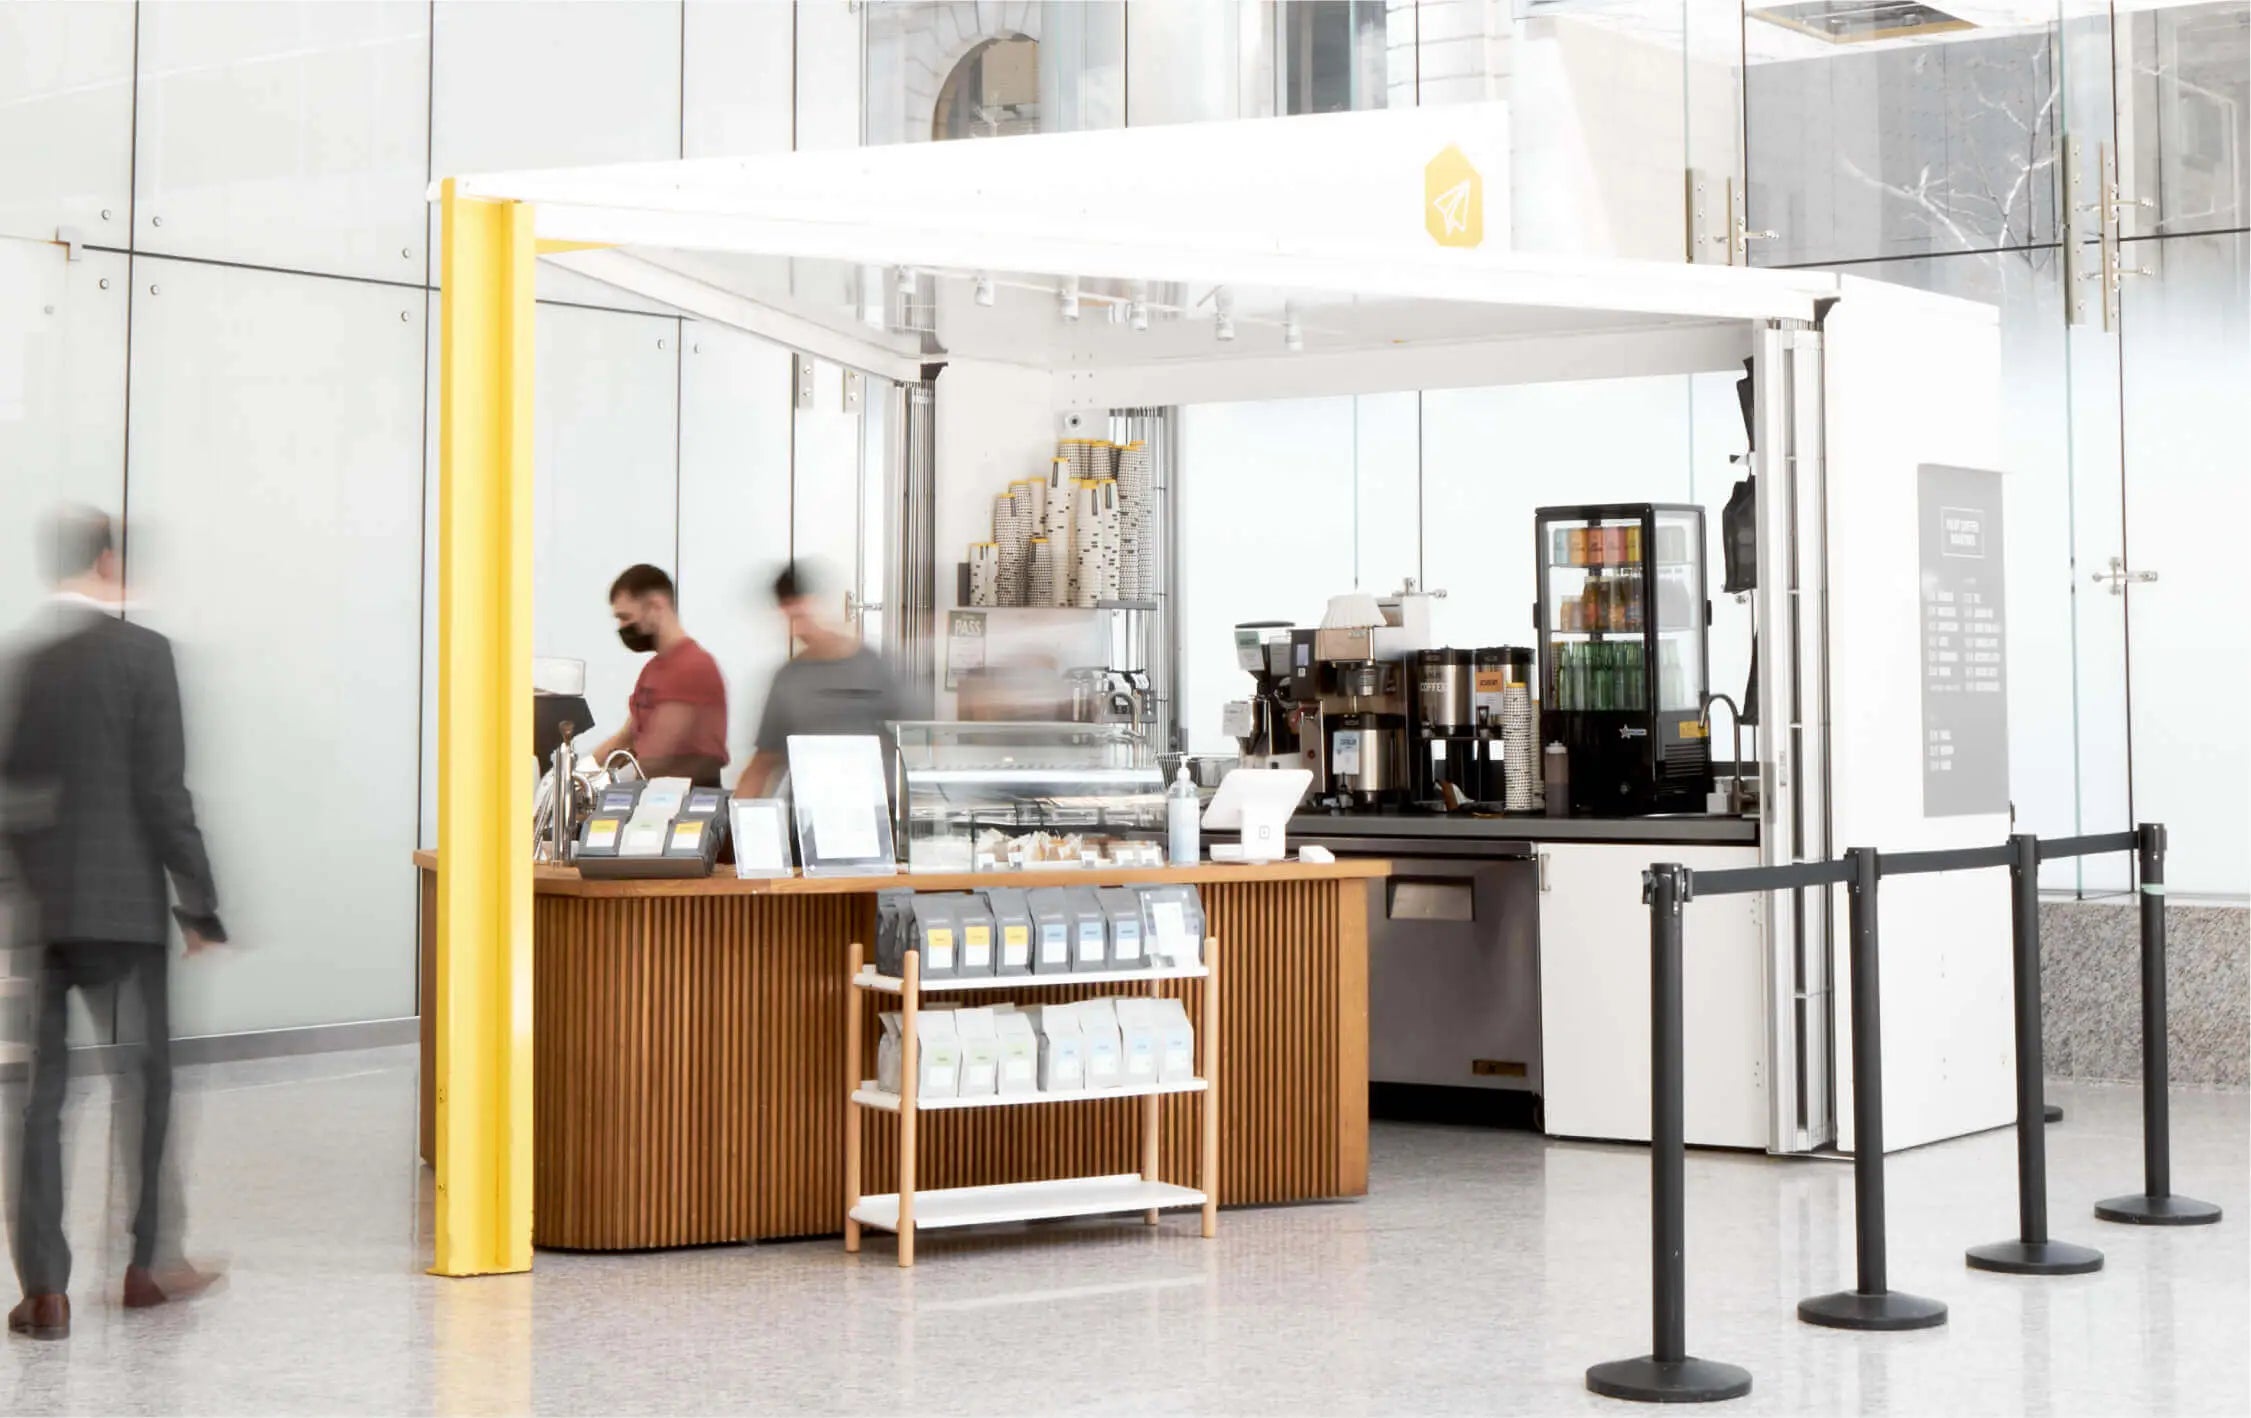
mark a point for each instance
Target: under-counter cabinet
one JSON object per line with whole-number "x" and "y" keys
{"x": 908, "y": 1211}
{"x": 1594, "y": 997}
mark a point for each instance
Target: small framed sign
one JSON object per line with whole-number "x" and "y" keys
{"x": 761, "y": 831}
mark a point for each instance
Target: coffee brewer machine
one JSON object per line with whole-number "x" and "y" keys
{"x": 1365, "y": 731}
{"x": 1446, "y": 771}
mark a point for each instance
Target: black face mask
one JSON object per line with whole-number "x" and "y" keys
{"x": 639, "y": 641}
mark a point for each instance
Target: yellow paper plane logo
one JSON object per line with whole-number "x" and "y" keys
{"x": 1453, "y": 200}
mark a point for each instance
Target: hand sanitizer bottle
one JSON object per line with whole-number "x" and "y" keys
{"x": 1182, "y": 809}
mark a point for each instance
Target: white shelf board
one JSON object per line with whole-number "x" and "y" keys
{"x": 867, "y": 979}
{"x": 1025, "y": 1201}
{"x": 867, "y": 1095}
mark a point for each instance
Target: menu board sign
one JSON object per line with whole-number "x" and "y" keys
{"x": 1965, "y": 635}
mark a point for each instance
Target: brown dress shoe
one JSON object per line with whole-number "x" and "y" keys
{"x": 41, "y": 1317}
{"x": 145, "y": 1289}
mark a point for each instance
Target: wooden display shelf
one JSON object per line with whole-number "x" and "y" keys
{"x": 867, "y": 1095}
{"x": 1027, "y": 1201}
{"x": 867, "y": 979}
{"x": 904, "y": 1212}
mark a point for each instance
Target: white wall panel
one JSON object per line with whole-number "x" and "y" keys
{"x": 1284, "y": 467}
{"x": 828, "y": 75}
{"x": 604, "y": 495}
{"x": 1387, "y": 491}
{"x": 738, "y": 93}
{"x": 62, "y": 402}
{"x": 284, "y": 134}
{"x": 1492, "y": 457}
{"x": 735, "y": 412}
{"x": 546, "y": 84}
{"x": 275, "y": 493}
{"x": 66, "y": 119}
{"x": 426, "y": 831}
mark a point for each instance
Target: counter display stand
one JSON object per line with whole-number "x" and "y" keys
{"x": 907, "y": 1211}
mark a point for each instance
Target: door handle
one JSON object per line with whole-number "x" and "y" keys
{"x": 1544, "y": 871}
{"x": 2117, "y": 576}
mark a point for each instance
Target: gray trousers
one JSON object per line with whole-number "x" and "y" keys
{"x": 42, "y": 1252}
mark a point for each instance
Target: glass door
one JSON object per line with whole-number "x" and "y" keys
{"x": 2092, "y": 210}
{"x": 2184, "y": 321}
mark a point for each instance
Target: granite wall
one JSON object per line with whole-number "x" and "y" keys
{"x": 2090, "y": 958}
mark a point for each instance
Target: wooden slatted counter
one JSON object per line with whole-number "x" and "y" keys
{"x": 686, "y": 1037}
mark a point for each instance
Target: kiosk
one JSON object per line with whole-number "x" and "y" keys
{"x": 1030, "y": 278}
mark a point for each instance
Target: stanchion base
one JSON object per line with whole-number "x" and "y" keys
{"x": 2157, "y": 1211}
{"x": 2052, "y": 1112}
{"x": 2035, "y": 1258}
{"x": 1653, "y": 1380}
{"x": 1887, "y": 1309}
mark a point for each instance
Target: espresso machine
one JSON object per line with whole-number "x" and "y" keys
{"x": 1264, "y": 725}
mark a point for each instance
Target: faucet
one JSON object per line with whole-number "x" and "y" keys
{"x": 1735, "y": 779}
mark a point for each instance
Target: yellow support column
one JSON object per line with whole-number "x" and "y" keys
{"x": 483, "y": 1005}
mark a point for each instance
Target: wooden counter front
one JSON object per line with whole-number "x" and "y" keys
{"x": 686, "y": 1035}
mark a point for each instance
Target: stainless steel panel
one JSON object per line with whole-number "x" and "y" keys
{"x": 1453, "y": 974}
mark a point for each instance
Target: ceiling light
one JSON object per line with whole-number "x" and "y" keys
{"x": 984, "y": 290}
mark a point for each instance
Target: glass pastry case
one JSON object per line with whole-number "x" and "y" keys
{"x": 1000, "y": 795}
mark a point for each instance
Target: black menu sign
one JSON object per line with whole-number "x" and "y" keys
{"x": 1965, "y": 631}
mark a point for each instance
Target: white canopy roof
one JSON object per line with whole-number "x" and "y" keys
{"x": 1294, "y": 255}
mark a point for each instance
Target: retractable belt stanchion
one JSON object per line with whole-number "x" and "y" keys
{"x": 1870, "y": 1304}
{"x": 2155, "y": 1205}
{"x": 1667, "y": 1374}
{"x": 2031, "y": 1253}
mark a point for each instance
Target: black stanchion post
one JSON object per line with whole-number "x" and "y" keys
{"x": 2156, "y": 1205}
{"x": 1667, "y": 1374}
{"x": 2032, "y": 1253}
{"x": 1870, "y": 1304}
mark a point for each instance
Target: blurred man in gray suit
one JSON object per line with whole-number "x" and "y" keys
{"x": 97, "y": 814}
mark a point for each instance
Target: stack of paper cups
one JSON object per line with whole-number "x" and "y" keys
{"x": 1086, "y": 542}
{"x": 1520, "y": 749}
{"x": 984, "y": 574}
{"x": 1137, "y": 501}
{"x": 1040, "y": 591}
{"x": 1056, "y": 527}
{"x": 1112, "y": 540}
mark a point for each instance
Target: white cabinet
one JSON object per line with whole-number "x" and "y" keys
{"x": 1594, "y": 997}
{"x": 291, "y": 136}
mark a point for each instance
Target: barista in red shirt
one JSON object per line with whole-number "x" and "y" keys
{"x": 676, "y": 721}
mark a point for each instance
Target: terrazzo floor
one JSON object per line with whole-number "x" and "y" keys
{"x": 1482, "y": 1275}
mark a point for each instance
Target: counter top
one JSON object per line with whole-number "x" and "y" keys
{"x": 549, "y": 880}
{"x": 1697, "y": 829}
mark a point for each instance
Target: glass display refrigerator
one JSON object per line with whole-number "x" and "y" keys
{"x": 1623, "y": 621}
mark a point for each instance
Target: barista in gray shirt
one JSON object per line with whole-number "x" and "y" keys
{"x": 835, "y": 685}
